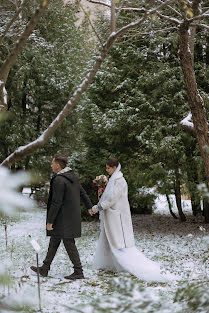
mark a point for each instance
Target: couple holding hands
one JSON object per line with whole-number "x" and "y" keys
{"x": 116, "y": 249}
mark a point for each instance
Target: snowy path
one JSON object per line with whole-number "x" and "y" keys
{"x": 178, "y": 247}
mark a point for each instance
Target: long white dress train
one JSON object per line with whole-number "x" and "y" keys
{"x": 126, "y": 259}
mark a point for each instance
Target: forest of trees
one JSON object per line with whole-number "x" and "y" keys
{"x": 146, "y": 68}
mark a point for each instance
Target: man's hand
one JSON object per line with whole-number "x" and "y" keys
{"x": 49, "y": 226}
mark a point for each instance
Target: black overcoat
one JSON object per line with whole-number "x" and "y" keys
{"x": 63, "y": 208}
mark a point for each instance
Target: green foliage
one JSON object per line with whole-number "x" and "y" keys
{"x": 142, "y": 202}
{"x": 135, "y": 107}
{"x": 41, "y": 195}
{"x": 131, "y": 117}
{"x": 132, "y": 109}
{"x": 41, "y": 82}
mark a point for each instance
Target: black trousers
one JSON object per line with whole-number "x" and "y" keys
{"x": 71, "y": 249}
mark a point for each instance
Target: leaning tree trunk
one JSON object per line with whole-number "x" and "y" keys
{"x": 195, "y": 101}
{"x": 177, "y": 191}
{"x": 170, "y": 207}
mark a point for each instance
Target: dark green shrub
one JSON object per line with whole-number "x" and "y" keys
{"x": 41, "y": 194}
{"x": 142, "y": 202}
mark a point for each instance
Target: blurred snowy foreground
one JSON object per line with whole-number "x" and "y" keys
{"x": 180, "y": 248}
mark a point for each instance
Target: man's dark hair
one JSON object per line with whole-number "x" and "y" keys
{"x": 61, "y": 159}
{"x": 112, "y": 162}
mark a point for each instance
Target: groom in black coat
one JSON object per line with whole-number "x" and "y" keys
{"x": 64, "y": 215}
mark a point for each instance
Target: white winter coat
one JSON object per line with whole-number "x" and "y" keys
{"x": 117, "y": 215}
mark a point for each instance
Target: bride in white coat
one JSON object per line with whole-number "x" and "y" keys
{"x": 116, "y": 249}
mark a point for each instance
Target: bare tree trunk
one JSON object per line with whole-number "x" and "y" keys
{"x": 187, "y": 35}
{"x": 192, "y": 175}
{"x": 12, "y": 57}
{"x": 194, "y": 99}
{"x": 206, "y": 210}
{"x": 196, "y": 9}
{"x": 177, "y": 191}
{"x": 113, "y": 17}
{"x": 170, "y": 207}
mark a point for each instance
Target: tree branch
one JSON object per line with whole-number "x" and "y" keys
{"x": 204, "y": 26}
{"x": 137, "y": 10}
{"x": 142, "y": 10}
{"x": 22, "y": 151}
{"x": 12, "y": 57}
{"x": 171, "y": 8}
{"x": 199, "y": 17}
{"x": 99, "y": 2}
{"x": 149, "y": 34}
{"x": 169, "y": 19}
{"x": 92, "y": 26}
{"x": 161, "y": 6}
{"x": 196, "y": 9}
{"x": 113, "y": 17}
{"x": 12, "y": 21}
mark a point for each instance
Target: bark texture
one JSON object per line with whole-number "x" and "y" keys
{"x": 195, "y": 101}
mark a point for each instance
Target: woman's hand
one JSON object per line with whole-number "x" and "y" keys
{"x": 93, "y": 210}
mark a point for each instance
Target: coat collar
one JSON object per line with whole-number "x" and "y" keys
{"x": 119, "y": 175}
{"x": 64, "y": 170}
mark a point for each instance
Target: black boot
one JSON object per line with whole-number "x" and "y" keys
{"x": 75, "y": 275}
{"x": 43, "y": 271}
{"x": 75, "y": 259}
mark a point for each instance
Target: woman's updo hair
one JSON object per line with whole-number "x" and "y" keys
{"x": 112, "y": 162}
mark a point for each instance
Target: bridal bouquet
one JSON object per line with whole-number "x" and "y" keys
{"x": 101, "y": 182}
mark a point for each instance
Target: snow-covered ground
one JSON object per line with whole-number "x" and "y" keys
{"x": 178, "y": 247}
